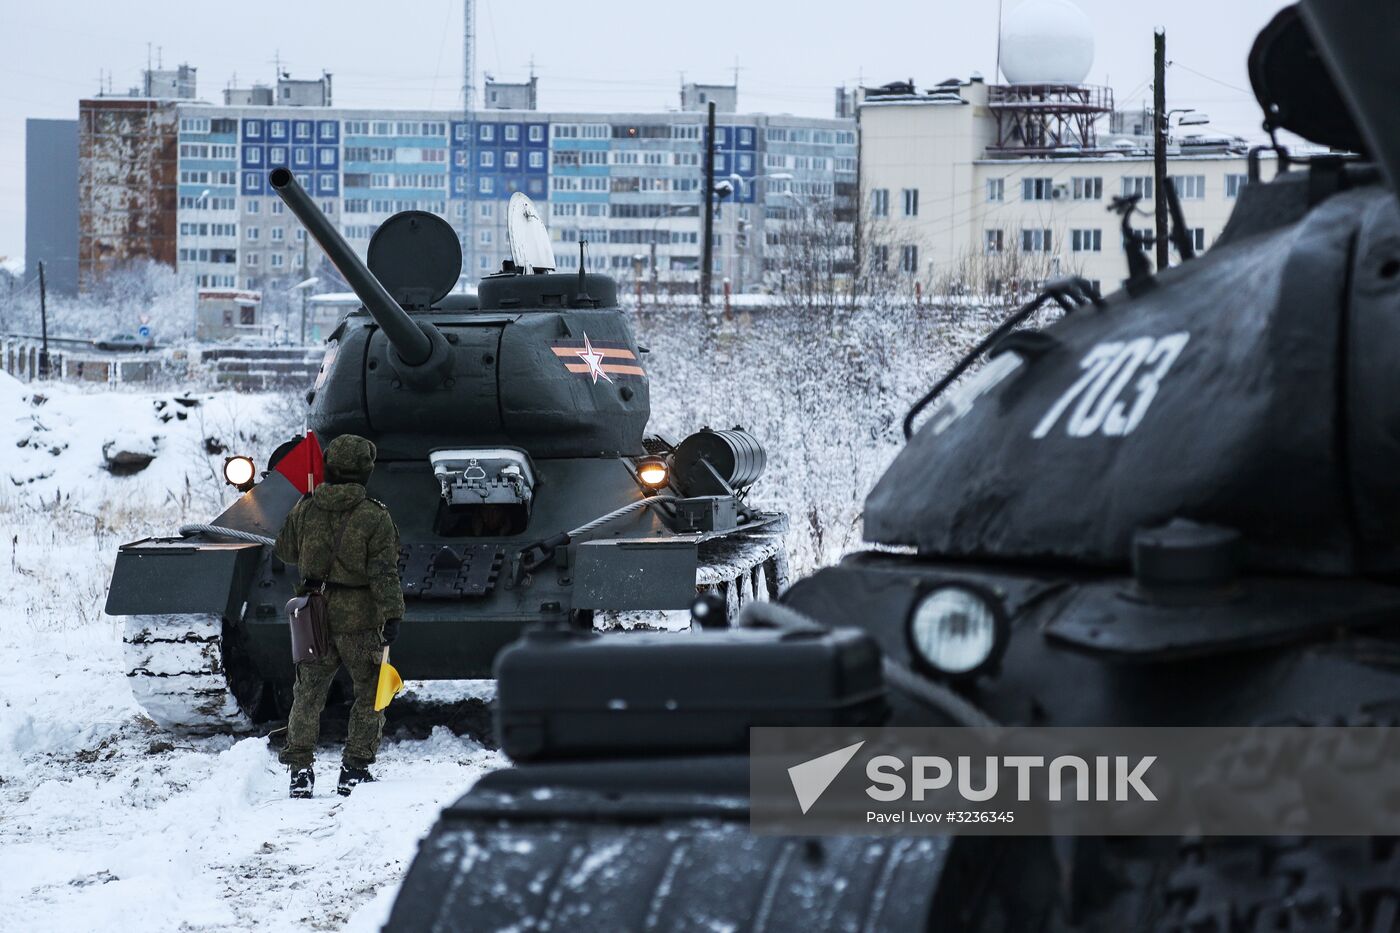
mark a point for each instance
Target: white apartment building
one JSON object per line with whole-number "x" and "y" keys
{"x": 943, "y": 189}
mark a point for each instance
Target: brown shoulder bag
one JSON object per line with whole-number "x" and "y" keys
{"x": 309, "y": 615}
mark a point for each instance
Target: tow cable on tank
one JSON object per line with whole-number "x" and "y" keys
{"x": 217, "y": 531}
{"x": 536, "y": 555}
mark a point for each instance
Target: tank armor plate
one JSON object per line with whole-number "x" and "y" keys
{"x": 438, "y": 571}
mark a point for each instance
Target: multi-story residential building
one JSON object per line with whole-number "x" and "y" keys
{"x": 629, "y": 185}
{"x": 945, "y": 186}
{"x": 51, "y": 202}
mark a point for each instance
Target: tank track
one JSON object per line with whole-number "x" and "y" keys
{"x": 176, "y": 668}
{"x": 740, "y": 568}
{"x": 1331, "y": 884}
{"x": 179, "y": 675}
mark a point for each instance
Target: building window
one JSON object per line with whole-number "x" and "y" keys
{"x": 880, "y": 202}
{"x": 1233, "y": 184}
{"x": 277, "y": 260}
{"x": 1086, "y": 241}
{"x": 1086, "y": 189}
{"x": 911, "y": 202}
{"x": 879, "y": 259}
{"x": 511, "y": 133}
{"x": 1037, "y": 189}
{"x": 909, "y": 259}
{"x": 251, "y": 259}
{"x": 536, "y": 133}
{"x": 486, "y": 185}
{"x": 511, "y": 159}
{"x": 484, "y": 238}
{"x": 1198, "y": 238}
{"x": 1144, "y": 239}
{"x": 537, "y": 160}
{"x": 487, "y": 132}
{"x": 277, "y": 234}
{"x": 995, "y": 242}
{"x": 996, "y": 189}
{"x": 252, "y": 232}
{"x": 486, "y": 159}
{"x": 1189, "y": 187}
{"x": 1035, "y": 241}
{"x": 1138, "y": 185}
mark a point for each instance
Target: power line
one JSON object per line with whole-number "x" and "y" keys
{"x": 1199, "y": 74}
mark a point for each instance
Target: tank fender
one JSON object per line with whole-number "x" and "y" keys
{"x": 157, "y": 576}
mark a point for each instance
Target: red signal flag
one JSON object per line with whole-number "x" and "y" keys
{"x": 303, "y": 466}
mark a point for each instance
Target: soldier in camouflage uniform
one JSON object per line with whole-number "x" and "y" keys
{"x": 365, "y": 606}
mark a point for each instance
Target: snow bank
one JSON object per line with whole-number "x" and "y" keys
{"x": 12, "y": 393}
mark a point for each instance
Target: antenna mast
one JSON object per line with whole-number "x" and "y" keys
{"x": 468, "y": 55}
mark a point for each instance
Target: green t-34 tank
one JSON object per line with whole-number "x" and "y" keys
{"x": 513, "y": 456}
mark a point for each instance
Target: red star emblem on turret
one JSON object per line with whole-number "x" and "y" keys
{"x": 594, "y": 359}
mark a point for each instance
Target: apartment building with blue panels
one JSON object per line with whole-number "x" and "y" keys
{"x": 630, "y": 185}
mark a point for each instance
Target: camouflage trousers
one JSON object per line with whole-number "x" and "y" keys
{"x": 360, "y": 653}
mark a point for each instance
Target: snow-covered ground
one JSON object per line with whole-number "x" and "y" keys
{"x": 107, "y": 822}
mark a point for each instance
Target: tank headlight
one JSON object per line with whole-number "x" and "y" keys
{"x": 240, "y": 472}
{"x": 653, "y": 472}
{"x": 958, "y": 631}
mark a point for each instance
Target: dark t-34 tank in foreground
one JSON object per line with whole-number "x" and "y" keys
{"x": 1175, "y": 507}
{"x": 513, "y": 457}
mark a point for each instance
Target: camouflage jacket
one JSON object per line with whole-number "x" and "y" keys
{"x": 365, "y": 567}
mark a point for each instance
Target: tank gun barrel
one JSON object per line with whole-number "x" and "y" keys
{"x": 413, "y": 346}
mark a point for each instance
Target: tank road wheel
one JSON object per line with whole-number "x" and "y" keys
{"x": 177, "y": 670}
{"x": 742, "y": 570}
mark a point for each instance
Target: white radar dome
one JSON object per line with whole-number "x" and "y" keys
{"x": 1047, "y": 42}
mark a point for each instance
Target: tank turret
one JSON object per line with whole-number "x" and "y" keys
{"x": 546, "y": 361}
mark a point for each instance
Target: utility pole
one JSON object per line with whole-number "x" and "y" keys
{"x": 469, "y": 260}
{"x": 1159, "y": 148}
{"x": 306, "y": 272}
{"x": 44, "y": 325}
{"x": 707, "y": 252}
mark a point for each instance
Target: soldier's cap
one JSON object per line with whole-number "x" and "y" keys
{"x": 349, "y": 459}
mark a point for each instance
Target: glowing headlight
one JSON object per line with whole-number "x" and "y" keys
{"x": 240, "y": 472}
{"x": 653, "y": 472}
{"x": 957, "y": 630}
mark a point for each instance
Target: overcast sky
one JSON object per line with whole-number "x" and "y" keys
{"x": 589, "y": 54}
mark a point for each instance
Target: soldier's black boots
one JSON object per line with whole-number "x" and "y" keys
{"x": 349, "y": 777}
{"x": 303, "y": 780}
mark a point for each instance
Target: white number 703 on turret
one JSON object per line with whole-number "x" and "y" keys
{"x": 1107, "y": 404}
